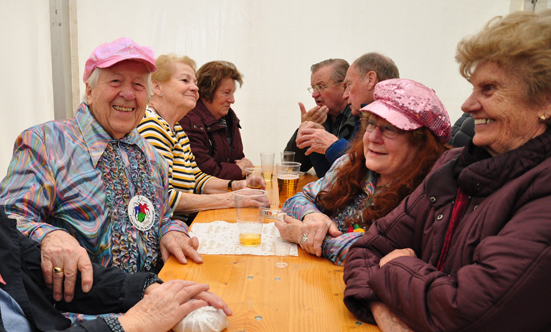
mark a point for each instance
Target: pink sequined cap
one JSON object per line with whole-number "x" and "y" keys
{"x": 118, "y": 50}
{"x": 409, "y": 105}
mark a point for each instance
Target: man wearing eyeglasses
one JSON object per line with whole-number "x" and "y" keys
{"x": 331, "y": 116}
{"x": 361, "y": 78}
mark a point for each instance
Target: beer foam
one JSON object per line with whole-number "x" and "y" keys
{"x": 287, "y": 176}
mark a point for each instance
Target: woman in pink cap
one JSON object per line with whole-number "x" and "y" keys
{"x": 406, "y": 128}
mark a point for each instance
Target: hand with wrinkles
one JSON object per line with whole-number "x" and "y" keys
{"x": 386, "y": 320}
{"x": 408, "y": 252}
{"x": 317, "y": 114}
{"x": 315, "y": 139}
{"x": 164, "y": 306}
{"x": 243, "y": 163}
{"x": 60, "y": 250}
{"x": 181, "y": 246}
{"x": 315, "y": 227}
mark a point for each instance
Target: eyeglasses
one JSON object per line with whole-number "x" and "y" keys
{"x": 388, "y": 130}
{"x": 320, "y": 88}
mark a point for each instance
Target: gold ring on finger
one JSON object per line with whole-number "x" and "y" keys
{"x": 58, "y": 270}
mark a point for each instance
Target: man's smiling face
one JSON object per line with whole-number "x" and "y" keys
{"x": 119, "y": 99}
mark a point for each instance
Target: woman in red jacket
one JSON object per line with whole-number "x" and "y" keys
{"x": 213, "y": 127}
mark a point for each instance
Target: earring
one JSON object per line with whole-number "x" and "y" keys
{"x": 160, "y": 94}
{"x": 542, "y": 118}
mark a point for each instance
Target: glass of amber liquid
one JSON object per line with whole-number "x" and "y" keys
{"x": 287, "y": 179}
{"x": 254, "y": 177}
{"x": 250, "y": 205}
{"x": 267, "y": 162}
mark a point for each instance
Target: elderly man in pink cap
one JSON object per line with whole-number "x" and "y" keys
{"x": 90, "y": 188}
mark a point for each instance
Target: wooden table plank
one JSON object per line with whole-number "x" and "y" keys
{"x": 306, "y": 296}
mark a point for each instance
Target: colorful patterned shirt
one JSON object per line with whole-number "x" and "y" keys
{"x": 303, "y": 203}
{"x": 183, "y": 173}
{"x": 72, "y": 175}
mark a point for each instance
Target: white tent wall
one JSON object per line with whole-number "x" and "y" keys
{"x": 272, "y": 43}
{"x": 26, "y": 91}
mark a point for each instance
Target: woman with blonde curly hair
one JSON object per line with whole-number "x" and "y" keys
{"x": 469, "y": 249}
{"x": 401, "y": 143}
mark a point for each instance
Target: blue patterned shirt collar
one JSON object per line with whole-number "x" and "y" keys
{"x": 97, "y": 138}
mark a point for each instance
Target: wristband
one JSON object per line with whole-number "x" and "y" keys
{"x": 113, "y": 323}
{"x": 229, "y": 185}
{"x": 150, "y": 280}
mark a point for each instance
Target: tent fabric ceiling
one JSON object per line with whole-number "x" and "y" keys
{"x": 272, "y": 43}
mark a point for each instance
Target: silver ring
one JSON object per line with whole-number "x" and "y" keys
{"x": 304, "y": 238}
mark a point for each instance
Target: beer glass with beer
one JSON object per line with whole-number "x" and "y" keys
{"x": 287, "y": 179}
{"x": 249, "y": 204}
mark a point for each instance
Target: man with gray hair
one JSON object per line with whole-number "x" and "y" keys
{"x": 363, "y": 75}
{"x": 331, "y": 114}
{"x": 361, "y": 78}
{"x": 90, "y": 188}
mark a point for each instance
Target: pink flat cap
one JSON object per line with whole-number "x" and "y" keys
{"x": 409, "y": 105}
{"x": 124, "y": 48}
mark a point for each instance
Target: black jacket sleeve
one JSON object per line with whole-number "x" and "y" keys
{"x": 112, "y": 291}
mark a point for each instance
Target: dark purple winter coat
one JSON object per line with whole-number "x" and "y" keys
{"x": 209, "y": 144}
{"x": 497, "y": 275}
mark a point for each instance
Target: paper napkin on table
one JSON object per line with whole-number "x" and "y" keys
{"x": 222, "y": 238}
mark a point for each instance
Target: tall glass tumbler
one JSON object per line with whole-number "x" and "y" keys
{"x": 267, "y": 163}
{"x": 287, "y": 179}
{"x": 250, "y": 205}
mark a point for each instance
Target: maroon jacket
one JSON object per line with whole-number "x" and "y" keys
{"x": 209, "y": 144}
{"x": 497, "y": 275}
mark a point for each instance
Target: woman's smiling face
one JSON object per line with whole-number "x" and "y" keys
{"x": 504, "y": 117}
{"x": 387, "y": 156}
{"x": 223, "y": 98}
{"x": 181, "y": 91}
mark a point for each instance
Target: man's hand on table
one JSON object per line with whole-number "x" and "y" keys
{"x": 164, "y": 306}
{"x": 60, "y": 250}
{"x": 181, "y": 246}
{"x": 318, "y": 140}
{"x": 316, "y": 114}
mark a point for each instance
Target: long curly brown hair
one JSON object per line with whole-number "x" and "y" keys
{"x": 350, "y": 178}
